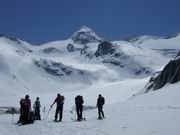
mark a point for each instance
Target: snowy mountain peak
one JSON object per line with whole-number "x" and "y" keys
{"x": 141, "y": 39}
{"x": 14, "y": 39}
{"x": 172, "y": 36}
{"x": 85, "y": 29}
{"x": 85, "y": 35}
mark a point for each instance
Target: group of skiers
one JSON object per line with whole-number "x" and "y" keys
{"x": 27, "y": 116}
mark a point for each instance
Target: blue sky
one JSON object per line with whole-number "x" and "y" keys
{"x": 40, "y": 21}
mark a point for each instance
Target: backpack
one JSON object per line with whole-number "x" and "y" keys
{"x": 37, "y": 104}
{"x": 79, "y": 100}
{"x": 101, "y": 101}
{"x": 61, "y": 99}
{"x": 27, "y": 103}
{"x": 31, "y": 117}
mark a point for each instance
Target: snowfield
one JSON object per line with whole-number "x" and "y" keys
{"x": 148, "y": 114}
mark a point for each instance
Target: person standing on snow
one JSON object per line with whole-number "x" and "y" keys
{"x": 59, "y": 109}
{"x": 21, "y": 117}
{"x": 27, "y": 108}
{"x": 100, "y": 103}
{"x": 37, "y": 106}
{"x": 79, "y": 106}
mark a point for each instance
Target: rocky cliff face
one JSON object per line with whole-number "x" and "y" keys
{"x": 170, "y": 74}
{"x": 105, "y": 48}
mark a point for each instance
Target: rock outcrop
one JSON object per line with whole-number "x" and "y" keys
{"x": 170, "y": 74}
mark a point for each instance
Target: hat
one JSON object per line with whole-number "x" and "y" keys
{"x": 27, "y": 96}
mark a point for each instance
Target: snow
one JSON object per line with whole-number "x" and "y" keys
{"x": 159, "y": 43}
{"x": 85, "y": 29}
{"x": 85, "y": 35}
{"x": 166, "y": 46}
{"x": 152, "y": 113}
{"x": 128, "y": 110}
{"x": 142, "y": 55}
{"x": 22, "y": 75}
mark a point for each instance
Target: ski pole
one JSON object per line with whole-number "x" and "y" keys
{"x": 44, "y": 111}
{"x": 73, "y": 117}
{"x": 84, "y": 115}
{"x": 12, "y": 112}
{"x": 12, "y": 118}
{"x": 48, "y": 113}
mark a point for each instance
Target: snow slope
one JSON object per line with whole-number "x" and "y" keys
{"x": 167, "y": 46}
{"x": 153, "y": 113}
{"x": 159, "y": 43}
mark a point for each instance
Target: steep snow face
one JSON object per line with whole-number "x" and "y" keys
{"x": 119, "y": 56}
{"x": 167, "y": 46}
{"x": 157, "y": 42}
{"x": 141, "y": 39}
{"x": 16, "y": 45}
{"x": 134, "y": 59}
{"x": 85, "y": 35}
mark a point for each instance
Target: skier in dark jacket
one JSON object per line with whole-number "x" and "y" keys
{"x": 26, "y": 110}
{"x": 21, "y": 117}
{"x": 59, "y": 109}
{"x": 37, "y": 106}
{"x": 100, "y": 103}
{"x": 79, "y": 106}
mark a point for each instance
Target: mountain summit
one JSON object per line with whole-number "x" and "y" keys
{"x": 85, "y": 35}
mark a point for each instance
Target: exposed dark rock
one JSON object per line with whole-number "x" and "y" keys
{"x": 121, "y": 55}
{"x": 90, "y": 55}
{"x": 114, "y": 62}
{"x": 84, "y": 50}
{"x": 70, "y": 47}
{"x": 178, "y": 54}
{"x": 50, "y": 50}
{"x": 85, "y": 35}
{"x": 170, "y": 74}
{"x": 11, "y": 38}
{"x": 145, "y": 70}
{"x": 84, "y": 38}
{"x": 105, "y": 48}
{"x": 81, "y": 72}
{"x": 15, "y": 39}
{"x": 52, "y": 71}
{"x": 67, "y": 71}
{"x": 56, "y": 68}
{"x": 53, "y": 68}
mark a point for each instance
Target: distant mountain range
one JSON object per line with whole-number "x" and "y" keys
{"x": 84, "y": 59}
